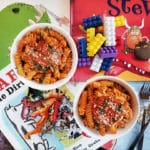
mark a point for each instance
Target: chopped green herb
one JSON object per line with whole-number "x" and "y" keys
{"x": 38, "y": 66}
{"x": 118, "y": 108}
{"x": 105, "y": 102}
{"x": 45, "y": 68}
{"x": 102, "y": 111}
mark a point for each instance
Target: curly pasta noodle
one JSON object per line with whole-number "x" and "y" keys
{"x": 43, "y": 55}
{"x": 105, "y": 106}
{"x": 17, "y": 58}
{"x": 88, "y": 114}
{"x": 90, "y": 93}
{"x": 82, "y": 103}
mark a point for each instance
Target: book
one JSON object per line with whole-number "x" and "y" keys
{"x": 134, "y": 12}
{"x": 14, "y": 94}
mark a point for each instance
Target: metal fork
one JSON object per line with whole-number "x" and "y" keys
{"x": 139, "y": 136}
{"x": 140, "y": 144}
{"x": 145, "y": 91}
{"x": 144, "y": 94}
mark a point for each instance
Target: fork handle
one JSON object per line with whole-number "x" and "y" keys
{"x": 139, "y": 136}
{"x": 140, "y": 144}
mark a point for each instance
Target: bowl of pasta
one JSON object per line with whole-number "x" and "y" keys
{"x": 44, "y": 56}
{"x": 106, "y": 107}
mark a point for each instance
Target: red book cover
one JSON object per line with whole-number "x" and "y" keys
{"x": 134, "y": 11}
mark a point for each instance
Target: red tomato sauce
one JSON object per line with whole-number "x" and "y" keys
{"x": 107, "y": 110}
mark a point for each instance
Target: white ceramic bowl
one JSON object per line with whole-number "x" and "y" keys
{"x": 121, "y": 131}
{"x": 71, "y": 44}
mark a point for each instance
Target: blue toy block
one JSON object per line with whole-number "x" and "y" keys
{"x": 84, "y": 62}
{"x": 93, "y": 21}
{"x": 106, "y": 64}
{"x": 82, "y": 47}
{"x": 107, "y": 52}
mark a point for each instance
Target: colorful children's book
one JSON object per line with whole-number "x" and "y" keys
{"x": 17, "y": 100}
{"x": 135, "y": 13}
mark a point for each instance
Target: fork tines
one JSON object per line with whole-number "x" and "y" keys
{"x": 145, "y": 91}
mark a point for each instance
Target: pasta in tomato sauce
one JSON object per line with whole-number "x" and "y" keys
{"x": 43, "y": 56}
{"x": 107, "y": 109}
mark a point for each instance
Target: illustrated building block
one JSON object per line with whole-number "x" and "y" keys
{"x": 107, "y": 52}
{"x": 109, "y": 31}
{"x": 82, "y": 47}
{"x": 94, "y": 45}
{"x": 96, "y": 63}
{"x": 119, "y": 21}
{"x": 106, "y": 64}
{"x": 93, "y": 21}
{"x": 90, "y": 33}
{"x": 84, "y": 62}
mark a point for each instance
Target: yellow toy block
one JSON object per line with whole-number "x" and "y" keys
{"x": 119, "y": 21}
{"x": 90, "y": 33}
{"x": 94, "y": 45}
